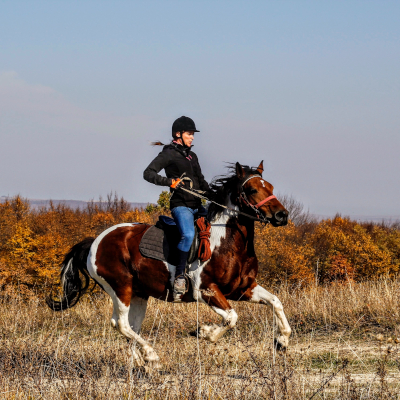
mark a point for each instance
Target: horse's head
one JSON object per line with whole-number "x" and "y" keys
{"x": 256, "y": 194}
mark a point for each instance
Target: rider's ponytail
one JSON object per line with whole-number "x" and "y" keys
{"x": 158, "y": 143}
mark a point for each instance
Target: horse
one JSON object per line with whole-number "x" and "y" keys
{"x": 114, "y": 261}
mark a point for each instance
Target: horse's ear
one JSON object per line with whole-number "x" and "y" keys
{"x": 239, "y": 171}
{"x": 260, "y": 168}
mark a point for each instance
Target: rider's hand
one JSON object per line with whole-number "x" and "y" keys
{"x": 177, "y": 183}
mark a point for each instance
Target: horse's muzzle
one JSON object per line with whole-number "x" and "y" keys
{"x": 280, "y": 218}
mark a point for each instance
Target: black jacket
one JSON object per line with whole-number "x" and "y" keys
{"x": 176, "y": 160}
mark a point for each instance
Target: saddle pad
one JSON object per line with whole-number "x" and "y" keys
{"x": 161, "y": 245}
{"x": 153, "y": 244}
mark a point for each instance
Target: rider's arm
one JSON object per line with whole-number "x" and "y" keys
{"x": 151, "y": 173}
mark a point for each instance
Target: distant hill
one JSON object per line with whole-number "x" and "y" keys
{"x": 37, "y": 203}
{"x": 364, "y": 218}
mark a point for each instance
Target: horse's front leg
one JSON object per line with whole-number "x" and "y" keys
{"x": 217, "y": 301}
{"x": 257, "y": 294}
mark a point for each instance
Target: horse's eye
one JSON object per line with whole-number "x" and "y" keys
{"x": 252, "y": 191}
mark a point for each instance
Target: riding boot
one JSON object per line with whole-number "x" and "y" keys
{"x": 180, "y": 281}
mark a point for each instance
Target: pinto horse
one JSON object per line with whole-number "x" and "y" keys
{"x": 113, "y": 260}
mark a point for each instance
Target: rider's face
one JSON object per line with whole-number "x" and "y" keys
{"x": 187, "y": 137}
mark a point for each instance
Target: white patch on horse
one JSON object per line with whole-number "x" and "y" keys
{"x": 261, "y": 295}
{"x": 172, "y": 270}
{"x": 262, "y": 182}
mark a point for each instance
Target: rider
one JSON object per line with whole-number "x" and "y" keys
{"x": 178, "y": 159}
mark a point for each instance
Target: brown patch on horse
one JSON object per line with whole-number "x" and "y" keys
{"x": 120, "y": 263}
{"x": 113, "y": 260}
{"x": 152, "y": 277}
{"x": 233, "y": 266}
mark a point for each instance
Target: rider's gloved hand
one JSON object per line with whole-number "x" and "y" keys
{"x": 177, "y": 183}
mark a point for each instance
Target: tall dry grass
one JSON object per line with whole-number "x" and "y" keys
{"x": 345, "y": 329}
{"x": 344, "y": 345}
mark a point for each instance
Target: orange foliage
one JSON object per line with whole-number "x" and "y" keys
{"x": 34, "y": 242}
{"x": 339, "y": 249}
{"x": 341, "y": 238}
{"x": 282, "y": 256}
{"x": 340, "y": 270}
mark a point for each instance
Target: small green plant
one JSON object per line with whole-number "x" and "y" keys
{"x": 163, "y": 201}
{"x": 162, "y": 204}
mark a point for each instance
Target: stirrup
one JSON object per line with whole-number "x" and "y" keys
{"x": 179, "y": 292}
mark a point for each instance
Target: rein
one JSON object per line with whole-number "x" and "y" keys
{"x": 242, "y": 197}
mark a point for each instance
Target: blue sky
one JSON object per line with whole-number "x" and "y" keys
{"x": 311, "y": 87}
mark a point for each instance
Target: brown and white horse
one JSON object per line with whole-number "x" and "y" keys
{"x": 113, "y": 260}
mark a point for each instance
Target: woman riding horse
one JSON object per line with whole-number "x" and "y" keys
{"x": 113, "y": 259}
{"x": 178, "y": 159}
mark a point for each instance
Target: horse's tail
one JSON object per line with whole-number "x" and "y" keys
{"x": 72, "y": 285}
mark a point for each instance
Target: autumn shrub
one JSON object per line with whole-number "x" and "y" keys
{"x": 342, "y": 244}
{"x": 284, "y": 258}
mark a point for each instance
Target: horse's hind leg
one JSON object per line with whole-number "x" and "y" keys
{"x": 257, "y": 294}
{"x": 123, "y": 325}
{"x": 137, "y": 312}
{"x": 120, "y": 320}
{"x": 217, "y": 301}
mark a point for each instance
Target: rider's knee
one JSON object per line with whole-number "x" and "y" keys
{"x": 187, "y": 239}
{"x": 188, "y": 236}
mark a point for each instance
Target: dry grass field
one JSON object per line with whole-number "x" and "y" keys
{"x": 344, "y": 346}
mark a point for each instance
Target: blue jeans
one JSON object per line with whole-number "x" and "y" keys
{"x": 184, "y": 219}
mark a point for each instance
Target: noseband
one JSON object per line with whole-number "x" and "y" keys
{"x": 255, "y": 207}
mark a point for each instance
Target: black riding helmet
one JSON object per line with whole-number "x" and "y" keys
{"x": 183, "y": 124}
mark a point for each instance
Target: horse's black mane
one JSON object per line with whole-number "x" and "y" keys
{"x": 222, "y": 185}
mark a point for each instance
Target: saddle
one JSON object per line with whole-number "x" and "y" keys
{"x": 160, "y": 241}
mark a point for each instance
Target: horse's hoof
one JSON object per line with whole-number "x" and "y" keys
{"x": 152, "y": 360}
{"x": 210, "y": 332}
{"x": 195, "y": 333}
{"x": 140, "y": 372}
{"x": 152, "y": 366}
{"x": 136, "y": 358}
{"x": 279, "y": 346}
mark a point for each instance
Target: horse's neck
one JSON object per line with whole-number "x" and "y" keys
{"x": 227, "y": 224}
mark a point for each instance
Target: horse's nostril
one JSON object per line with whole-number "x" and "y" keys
{"x": 280, "y": 215}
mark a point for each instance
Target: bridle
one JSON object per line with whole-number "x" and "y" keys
{"x": 255, "y": 207}
{"x": 242, "y": 199}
